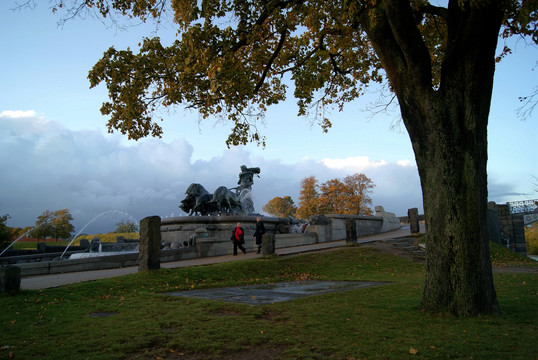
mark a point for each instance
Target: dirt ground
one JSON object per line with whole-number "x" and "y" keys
{"x": 387, "y": 248}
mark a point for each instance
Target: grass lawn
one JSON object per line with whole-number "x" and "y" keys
{"x": 382, "y": 322}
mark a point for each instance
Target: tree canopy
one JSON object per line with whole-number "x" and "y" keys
{"x": 5, "y": 232}
{"x": 235, "y": 58}
{"x": 56, "y": 224}
{"x": 280, "y": 207}
{"x": 126, "y": 227}
{"x": 350, "y": 195}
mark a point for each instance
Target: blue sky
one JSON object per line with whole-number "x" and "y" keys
{"x": 55, "y": 151}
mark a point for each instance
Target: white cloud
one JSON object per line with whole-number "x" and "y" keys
{"x": 17, "y": 114}
{"x": 353, "y": 163}
{"x": 404, "y": 163}
{"x": 25, "y": 122}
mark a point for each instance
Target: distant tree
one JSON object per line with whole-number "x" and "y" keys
{"x": 17, "y": 232}
{"x": 126, "y": 227}
{"x": 359, "y": 187}
{"x": 5, "y": 232}
{"x": 61, "y": 227}
{"x": 43, "y": 228}
{"x": 348, "y": 196}
{"x": 531, "y": 237}
{"x": 55, "y": 224}
{"x": 308, "y": 198}
{"x": 280, "y": 207}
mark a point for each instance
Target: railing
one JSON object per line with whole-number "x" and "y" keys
{"x": 522, "y": 207}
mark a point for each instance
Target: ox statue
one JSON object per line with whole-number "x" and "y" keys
{"x": 226, "y": 201}
{"x": 198, "y": 201}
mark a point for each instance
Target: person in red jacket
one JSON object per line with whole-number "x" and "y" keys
{"x": 238, "y": 238}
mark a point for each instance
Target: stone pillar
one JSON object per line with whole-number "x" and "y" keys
{"x": 494, "y": 228}
{"x": 41, "y": 247}
{"x": 268, "y": 244}
{"x": 84, "y": 243}
{"x": 518, "y": 233}
{"x": 10, "y": 279}
{"x": 351, "y": 231}
{"x": 413, "y": 220}
{"x": 149, "y": 253}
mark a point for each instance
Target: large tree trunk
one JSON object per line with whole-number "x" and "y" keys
{"x": 452, "y": 167}
{"x": 448, "y": 130}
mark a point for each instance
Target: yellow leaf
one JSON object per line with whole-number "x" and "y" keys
{"x": 413, "y": 351}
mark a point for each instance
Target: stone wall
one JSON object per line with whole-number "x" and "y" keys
{"x": 211, "y": 235}
{"x": 365, "y": 225}
{"x": 506, "y": 229}
{"x": 182, "y": 229}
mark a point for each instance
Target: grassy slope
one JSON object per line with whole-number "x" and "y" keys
{"x": 372, "y": 323}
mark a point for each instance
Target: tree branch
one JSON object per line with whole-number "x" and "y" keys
{"x": 283, "y": 34}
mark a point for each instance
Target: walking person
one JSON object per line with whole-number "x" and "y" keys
{"x": 238, "y": 238}
{"x": 258, "y": 234}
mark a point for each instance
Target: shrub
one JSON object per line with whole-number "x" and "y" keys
{"x": 531, "y": 237}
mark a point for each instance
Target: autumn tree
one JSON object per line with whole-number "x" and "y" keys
{"x": 308, "y": 198}
{"x": 126, "y": 227}
{"x": 61, "y": 224}
{"x": 5, "y": 233}
{"x": 56, "y": 224}
{"x": 280, "y": 207}
{"x": 43, "y": 227}
{"x": 234, "y": 59}
{"x": 348, "y": 196}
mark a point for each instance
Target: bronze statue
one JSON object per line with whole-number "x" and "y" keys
{"x": 198, "y": 201}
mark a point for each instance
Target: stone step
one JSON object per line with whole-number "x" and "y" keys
{"x": 399, "y": 241}
{"x": 408, "y": 244}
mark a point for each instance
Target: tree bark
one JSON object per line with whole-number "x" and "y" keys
{"x": 454, "y": 186}
{"x": 448, "y": 130}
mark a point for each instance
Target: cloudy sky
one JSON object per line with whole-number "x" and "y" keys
{"x": 55, "y": 151}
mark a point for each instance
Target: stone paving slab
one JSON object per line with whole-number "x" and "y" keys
{"x": 275, "y": 292}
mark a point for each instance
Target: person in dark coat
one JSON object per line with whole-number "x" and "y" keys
{"x": 258, "y": 234}
{"x": 238, "y": 238}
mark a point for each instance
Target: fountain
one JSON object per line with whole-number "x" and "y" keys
{"x": 90, "y": 222}
{"x": 212, "y": 217}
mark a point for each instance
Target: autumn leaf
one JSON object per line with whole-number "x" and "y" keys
{"x": 413, "y": 351}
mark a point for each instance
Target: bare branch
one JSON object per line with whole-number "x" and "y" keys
{"x": 283, "y": 34}
{"x": 530, "y": 103}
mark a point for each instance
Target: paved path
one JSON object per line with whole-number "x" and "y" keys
{"x": 48, "y": 281}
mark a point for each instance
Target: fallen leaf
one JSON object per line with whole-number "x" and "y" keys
{"x": 413, "y": 351}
